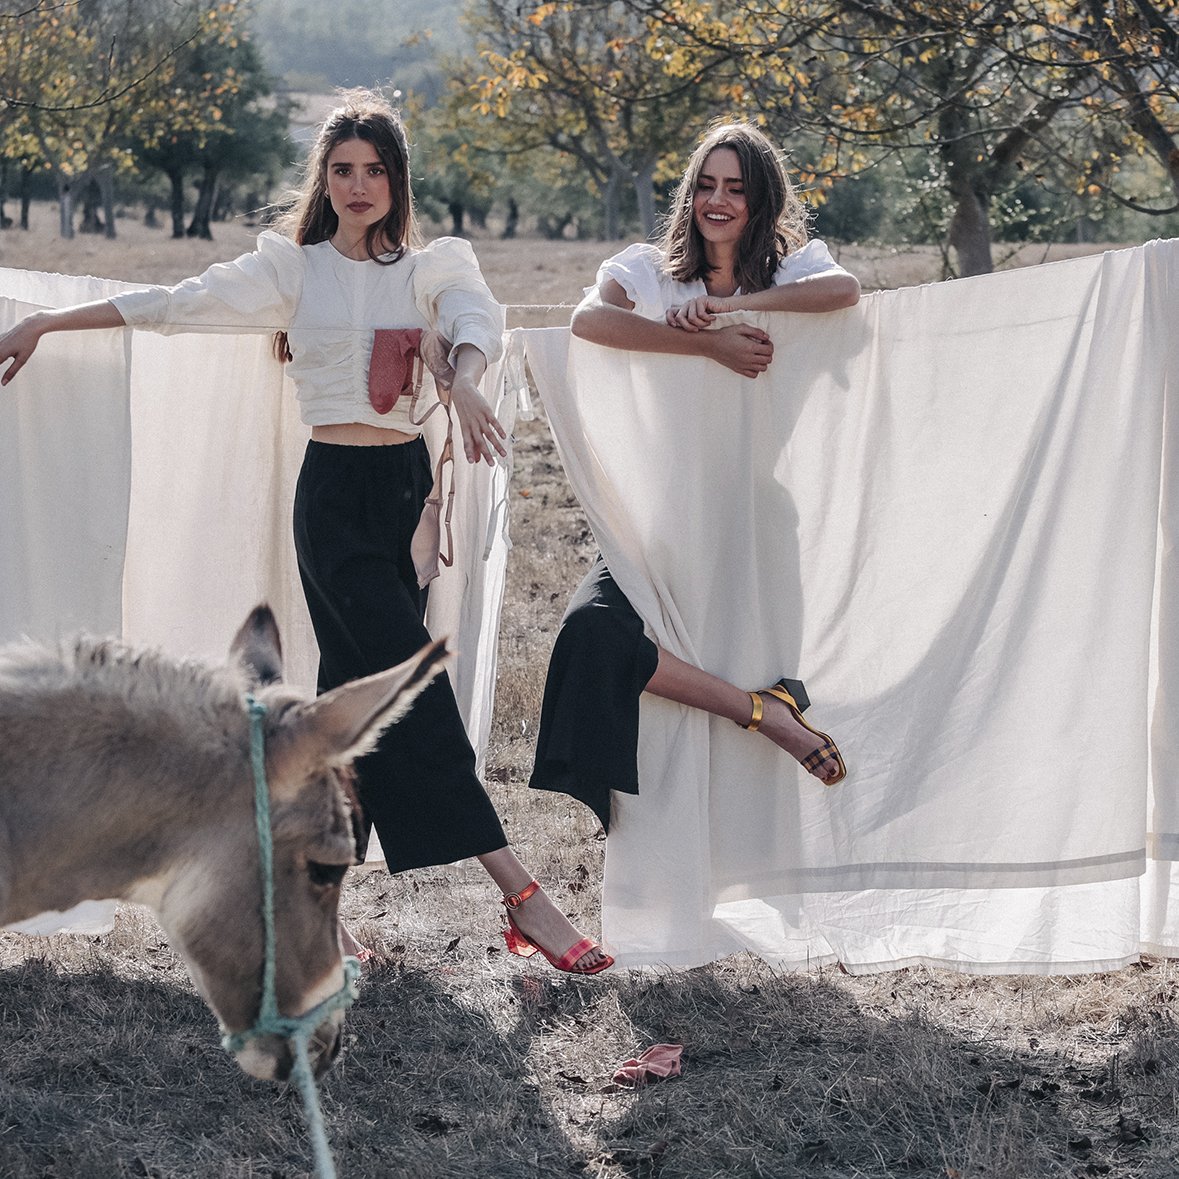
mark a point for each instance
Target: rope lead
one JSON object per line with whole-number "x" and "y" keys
{"x": 296, "y": 1029}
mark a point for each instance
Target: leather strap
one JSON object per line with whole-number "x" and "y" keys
{"x": 755, "y": 720}
{"x": 514, "y": 900}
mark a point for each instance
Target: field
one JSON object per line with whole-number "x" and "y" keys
{"x": 463, "y": 1062}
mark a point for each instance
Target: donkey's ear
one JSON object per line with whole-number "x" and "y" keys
{"x": 258, "y": 648}
{"x": 347, "y": 722}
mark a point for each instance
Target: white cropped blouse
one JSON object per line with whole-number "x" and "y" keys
{"x": 329, "y": 305}
{"x": 639, "y": 271}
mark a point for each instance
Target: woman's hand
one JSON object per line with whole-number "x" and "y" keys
{"x": 742, "y": 347}
{"x": 698, "y": 313}
{"x": 480, "y": 428}
{"x": 19, "y": 344}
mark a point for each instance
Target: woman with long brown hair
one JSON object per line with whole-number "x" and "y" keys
{"x": 347, "y": 288}
{"x": 735, "y": 240}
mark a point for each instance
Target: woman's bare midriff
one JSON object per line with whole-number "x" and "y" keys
{"x": 359, "y": 434}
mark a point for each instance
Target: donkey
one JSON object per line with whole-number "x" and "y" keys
{"x": 127, "y": 775}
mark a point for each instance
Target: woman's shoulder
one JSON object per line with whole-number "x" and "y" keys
{"x": 812, "y": 258}
{"x": 281, "y": 253}
{"x": 637, "y": 256}
{"x": 276, "y": 244}
{"x": 443, "y": 261}
{"x": 445, "y": 251}
{"x": 639, "y": 271}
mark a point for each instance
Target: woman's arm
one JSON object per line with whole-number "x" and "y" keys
{"x": 480, "y": 428}
{"x": 607, "y": 317}
{"x": 815, "y": 294}
{"x": 21, "y": 342}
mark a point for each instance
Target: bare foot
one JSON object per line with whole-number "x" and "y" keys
{"x": 543, "y": 924}
{"x": 349, "y": 946}
{"x": 779, "y": 724}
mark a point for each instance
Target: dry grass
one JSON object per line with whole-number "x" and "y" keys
{"x": 462, "y": 1062}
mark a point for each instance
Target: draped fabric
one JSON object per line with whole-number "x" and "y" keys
{"x": 941, "y": 510}
{"x": 146, "y": 485}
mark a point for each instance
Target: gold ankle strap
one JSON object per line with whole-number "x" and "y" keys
{"x": 755, "y": 720}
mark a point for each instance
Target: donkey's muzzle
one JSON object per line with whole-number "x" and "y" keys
{"x": 272, "y": 1058}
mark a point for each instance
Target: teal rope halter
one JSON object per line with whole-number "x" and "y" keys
{"x": 298, "y": 1029}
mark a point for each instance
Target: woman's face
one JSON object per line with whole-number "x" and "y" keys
{"x": 718, "y": 205}
{"x": 358, "y": 186}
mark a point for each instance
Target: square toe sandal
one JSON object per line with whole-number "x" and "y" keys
{"x": 518, "y": 944}
{"x": 793, "y": 695}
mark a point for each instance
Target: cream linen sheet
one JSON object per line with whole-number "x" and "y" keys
{"x": 941, "y": 509}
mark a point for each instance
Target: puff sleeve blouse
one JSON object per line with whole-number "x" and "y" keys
{"x": 330, "y": 305}
{"x": 639, "y": 271}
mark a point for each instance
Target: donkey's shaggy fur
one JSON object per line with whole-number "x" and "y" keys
{"x": 126, "y": 774}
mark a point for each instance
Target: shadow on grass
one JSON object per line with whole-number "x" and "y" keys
{"x": 788, "y": 1075}
{"x": 106, "y": 1076}
{"x": 461, "y": 1071}
{"x": 791, "y": 1075}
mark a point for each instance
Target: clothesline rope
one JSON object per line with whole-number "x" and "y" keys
{"x": 238, "y": 328}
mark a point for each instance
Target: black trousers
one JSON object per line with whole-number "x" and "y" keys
{"x": 356, "y": 508}
{"x": 588, "y": 740}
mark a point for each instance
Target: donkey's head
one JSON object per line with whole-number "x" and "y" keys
{"x": 214, "y": 908}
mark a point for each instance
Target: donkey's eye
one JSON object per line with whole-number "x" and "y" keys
{"x": 326, "y": 874}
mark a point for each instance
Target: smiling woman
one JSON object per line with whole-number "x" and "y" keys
{"x": 736, "y": 240}
{"x": 719, "y": 207}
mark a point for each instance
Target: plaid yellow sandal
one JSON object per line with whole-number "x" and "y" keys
{"x": 793, "y": 695}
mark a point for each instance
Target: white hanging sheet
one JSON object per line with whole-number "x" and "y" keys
{"x": 941, "y": 510}
{"x": 146, "y": 485}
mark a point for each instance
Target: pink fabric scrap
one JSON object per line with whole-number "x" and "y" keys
{"x": 657, "y": 1062}
{"x": 390, "y": 366}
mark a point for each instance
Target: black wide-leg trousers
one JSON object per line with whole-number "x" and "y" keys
{"x": 356, "y": 508}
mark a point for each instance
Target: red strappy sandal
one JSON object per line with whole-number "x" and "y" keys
{"x": 520, "y": 945}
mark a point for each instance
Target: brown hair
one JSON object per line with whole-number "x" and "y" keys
{"x": 363, "y": 115}
{"x": 777, "y": 218}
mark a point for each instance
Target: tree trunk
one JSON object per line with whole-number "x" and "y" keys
{"x": 611, "y": 212}
{"x": 456, "y": 209}
{"x": 91, "y": 197}
{"x": 644, "y": 182}
{"x": 512, "y": 224}
{"x": 176, "y": 181}
{"x": 65, "y": 207}
{"x": 970, "y": 235}
{"x": 552, "y": 227}
{"x": 966, "y": 179}
{"x": 206, "y": 195}
{"x": 26, "y": 195}
{"x": 106, "y": 186}
{"x": 223, "y": 205}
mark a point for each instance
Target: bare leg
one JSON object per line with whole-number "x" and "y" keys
{"x": 679, "y": 681}
{"x": 538, "y": 918}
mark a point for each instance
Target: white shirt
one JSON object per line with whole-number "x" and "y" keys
{"x": 639, "y": 271}
{"x": 329, "y": 305}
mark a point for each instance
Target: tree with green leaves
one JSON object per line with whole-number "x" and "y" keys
{"x": 240, "y": 131}
{"x": 85, "y": 80}
{"x": 579, "y": 80}
{"x": 453, "y": 176}
{"x": 975, "y": 97}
